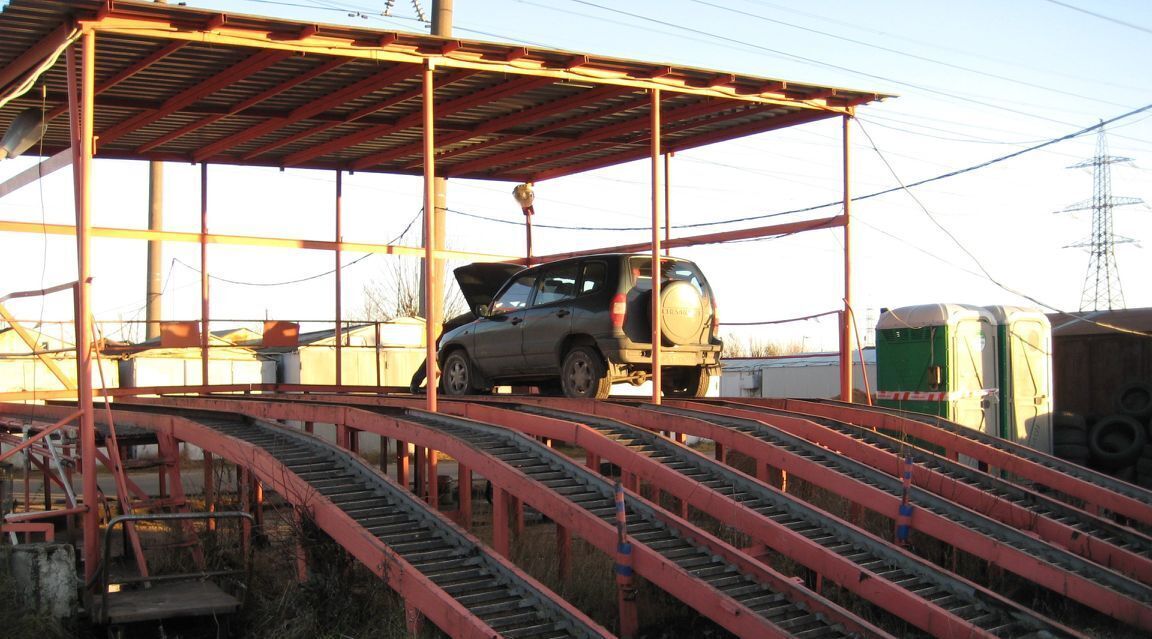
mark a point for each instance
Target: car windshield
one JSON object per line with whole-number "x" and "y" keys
{"x": 670, "y": 271}
{"x": 515, "y": 297}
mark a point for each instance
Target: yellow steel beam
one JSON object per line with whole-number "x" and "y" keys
{"x": 247, "y": 240}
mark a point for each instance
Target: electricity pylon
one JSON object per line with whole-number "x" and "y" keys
{"x": 1102, "y": 288}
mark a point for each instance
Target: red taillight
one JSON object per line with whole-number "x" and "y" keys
{"x": 619, "y": 308}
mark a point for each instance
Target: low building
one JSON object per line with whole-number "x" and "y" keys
{"x": 807, "y": 375}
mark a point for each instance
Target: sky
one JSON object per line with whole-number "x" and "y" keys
{"x": 975, "y": 80}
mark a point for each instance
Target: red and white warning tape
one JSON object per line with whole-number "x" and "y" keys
{"x": 926, "y": 396}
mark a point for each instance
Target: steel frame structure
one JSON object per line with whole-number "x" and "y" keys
{"x": 670, "y": 108}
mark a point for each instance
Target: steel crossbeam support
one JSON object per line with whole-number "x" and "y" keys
{"x": 417, "y": 589}
{"x": 672, "y": 578}
{"x": 954, "y": 443}
{"x": 1045, "y": 527}
{"x": 413, "y": 119}
{"x": 494, "y": 126}
{"x": 243, "y": 105}
{"x": 368, "y": 85}
{"x": 254, "y": 64}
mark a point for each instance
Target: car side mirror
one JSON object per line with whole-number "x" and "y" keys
{"x": 482, "y": 310}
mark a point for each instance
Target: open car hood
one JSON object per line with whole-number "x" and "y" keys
{"x": 479, "y": 282}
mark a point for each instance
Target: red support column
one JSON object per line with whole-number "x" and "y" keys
{"x": 81, "y": 103}
{"x": 342, "y": 436}
{"x": 383, "y": 453}
{"x": 402, "y": 463}
{"x": 339, "y": 257}
{"x": 564, "y": 552}
{"x": 432, "y": 321}
{"x": 721, "y": 455}
{"x": 209, "y": 488}
{"x": 500, "y": 520}
{"x": 204, "y": 308}
{"x": 418, "y": 470}
{"x": 464, "y": 482}
{"x": 625, "y": 586}
{"x": 308, "y": 427}
{"x": 657, "y": 197}
{"x": 846, "y": 345}
{"x": 433, "y": 480}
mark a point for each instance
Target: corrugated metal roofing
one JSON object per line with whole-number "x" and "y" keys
{"x": 182, "y": 84}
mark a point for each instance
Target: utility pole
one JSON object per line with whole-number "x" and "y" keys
{"x": 152, "y": 300}
{"x": 1102, "y": 288}
{"x": 441, "y": 26}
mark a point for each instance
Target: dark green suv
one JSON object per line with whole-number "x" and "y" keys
{"x": 579, "y": 325}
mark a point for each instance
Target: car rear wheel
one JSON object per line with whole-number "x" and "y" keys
{"x": 582, "y": 374}
{"x": 457, "y": 378}
{"x": 685, "y": 381}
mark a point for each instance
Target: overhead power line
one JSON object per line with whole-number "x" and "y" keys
{"x": 1102, "y": 16}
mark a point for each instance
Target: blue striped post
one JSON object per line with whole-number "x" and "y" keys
{"x": 625, "y": 587}
{"x": 904, "y": 516}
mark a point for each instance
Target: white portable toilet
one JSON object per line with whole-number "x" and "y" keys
{"x": 1024, "y": 354}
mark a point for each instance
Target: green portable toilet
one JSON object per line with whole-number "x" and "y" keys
{"x": 1024, "y": 355}
{"x": 940, "y": 359}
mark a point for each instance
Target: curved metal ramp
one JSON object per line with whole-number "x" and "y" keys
{"x": 1094, "y": 538}
{"x": 910, "y": 588}
{"x": 451, "y": 577}
{"x": 1092, "y": 488}
{"x": 1042, "y": 563}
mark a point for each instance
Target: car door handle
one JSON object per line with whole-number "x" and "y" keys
{"x": 516, "y": 320}
{"x": 563, "y": 312}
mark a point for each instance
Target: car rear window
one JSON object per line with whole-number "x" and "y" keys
{"x": 670, "y": 270}
{"x": 592, "y": 277}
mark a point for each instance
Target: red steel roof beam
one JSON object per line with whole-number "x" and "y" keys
{"x": 692, "y": 142}
{"x": 518, "y": 118}
{"x": 253, "y": 64}
{"x": 375, "y": 82}
{"x": 597, "y": 134}
{"x": 239, "y": 107}
{"x": 35, "y": 55}
{"x": 126, "y": 73}
{"x": 447, "y": 108}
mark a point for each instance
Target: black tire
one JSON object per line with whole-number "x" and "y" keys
{"x": 1069, "y": 435}
{"x": 1075, "y": 453}
{"x": 685, "y": 381}
{"x": 582, "y": 374}
{"x": 1135, "y": 400}
{"x": 457, "y": 377}
{"x": 1069, "y": 420}
{"x": 1116, "y": 441}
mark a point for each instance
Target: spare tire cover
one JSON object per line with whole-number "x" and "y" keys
{"x": 681, "y": 312}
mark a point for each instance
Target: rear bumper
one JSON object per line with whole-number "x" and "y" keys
{"x": 639, "y": 356}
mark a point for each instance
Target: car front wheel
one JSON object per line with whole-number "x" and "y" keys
{"x": 457, "y": 378}
{"x": 582, "y": 375}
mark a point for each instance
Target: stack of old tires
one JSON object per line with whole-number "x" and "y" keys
{"x": 1117, "y": 444}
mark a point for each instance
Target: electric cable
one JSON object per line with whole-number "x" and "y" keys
{"x": 1102, "y": 16}
{"x": 310, "y": 277}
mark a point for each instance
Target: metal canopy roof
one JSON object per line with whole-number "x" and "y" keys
{"x": 186, "y": 85}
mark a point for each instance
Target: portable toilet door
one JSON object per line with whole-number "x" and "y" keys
{"x": 1024, "y": 338}
{"x": 939, "y": 359}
